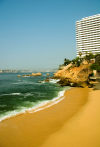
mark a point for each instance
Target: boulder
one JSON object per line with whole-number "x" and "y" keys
{"x": 38, "y": 74}
{"x": 47, "y": 77}
{"x": 73, "y": 76}
{"x": 33, "y": 74}
{"x": 18, "y": 76}
{"x": 82, "y": 84}
{"x": 47, "y": 80}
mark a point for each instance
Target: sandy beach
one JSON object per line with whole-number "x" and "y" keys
{"x": 73, "y": 122}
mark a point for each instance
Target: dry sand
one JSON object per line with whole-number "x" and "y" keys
{"x": 73, "y": 122}
{"x": 83, "y": 129}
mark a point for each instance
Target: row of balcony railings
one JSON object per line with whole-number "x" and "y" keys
{"x": 87, "y": 29}
{"x": 88, "y": 42}
{"x": 89, "y": 26}
{"x": 88, "y": 22}
{"x": 89, "y": 33}
{"x": 86, "y": 50}
{"x": 93, "y": 37}
{"x": 89, "y": 46}
{"x": 92, "y": 45}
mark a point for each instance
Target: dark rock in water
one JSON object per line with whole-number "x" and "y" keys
{"x": 47, "y": 74}
{"x": 18, "y": 76}
{"x": 47, "y": 80}
{"x": 56, "y": 77}
{"x": 47, "y": 77}
{"x": 28, "y": 75}
{"x": 23, "y": 75}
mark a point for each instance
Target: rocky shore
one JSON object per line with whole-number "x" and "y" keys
{"x": 33, "y": 74}
{"x": 74, "y": 76}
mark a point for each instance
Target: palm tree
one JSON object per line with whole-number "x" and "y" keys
{"x": 86, "y": 53}
{"x": 80, "y": 54}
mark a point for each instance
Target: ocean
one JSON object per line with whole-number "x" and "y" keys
{"x": 22, "y": 94}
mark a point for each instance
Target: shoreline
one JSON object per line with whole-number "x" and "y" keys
{"x": 33, "y": 129}
{"x": 43, "y": 105}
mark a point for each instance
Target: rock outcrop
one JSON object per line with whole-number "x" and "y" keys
{"x": 36, "y": 74}
{"x": 73, "y": 76}
{"x": 47, "y": 74}
{"x": 33, "y": 74}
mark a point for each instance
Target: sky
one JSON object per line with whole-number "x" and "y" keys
{"x": 39, "y": 34}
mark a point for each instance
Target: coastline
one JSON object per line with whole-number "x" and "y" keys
{"x": 43, "y": 105}
{"x": 33, "y": 129}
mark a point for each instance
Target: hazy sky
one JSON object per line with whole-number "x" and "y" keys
{"x": 39, "y": 34}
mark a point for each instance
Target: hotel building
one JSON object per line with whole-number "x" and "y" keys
{"x": 88, "y": 35}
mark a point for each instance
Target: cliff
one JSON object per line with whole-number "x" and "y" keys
{"x": 71, "y": 75}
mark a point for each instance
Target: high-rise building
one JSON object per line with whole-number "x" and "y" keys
{"x": 88, "y": 35}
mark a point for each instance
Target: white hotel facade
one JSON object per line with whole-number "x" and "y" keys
{"x": 88, "y": 35}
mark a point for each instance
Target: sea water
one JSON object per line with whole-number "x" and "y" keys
{"x": 21, "y": 94}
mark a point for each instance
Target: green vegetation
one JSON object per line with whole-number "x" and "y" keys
{"x": 78, "y": 60}
{"x": 95, "y": 66}
{"x": 97, "y": 59}
{"x": 89, "y": 56}
{"x": 66, "y": 61}
{"x": 80, "y": 54}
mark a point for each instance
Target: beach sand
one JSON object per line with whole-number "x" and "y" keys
{"x": 73, "y": 122}
{"x": 83, "y": 129}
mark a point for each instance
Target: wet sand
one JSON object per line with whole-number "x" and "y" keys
{"x": 48, "y": 127}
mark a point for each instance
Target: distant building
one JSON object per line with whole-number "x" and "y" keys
{"x": 88, "y": 35}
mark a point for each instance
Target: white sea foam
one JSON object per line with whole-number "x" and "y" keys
{"x": 54, "y": 80}
{"x": 48, "y": 103}
{"x": 12, "y": 94}
{"x": 15, "y": 93}
{"x": 29, "y": 94}
{"x": 35, "y": 106}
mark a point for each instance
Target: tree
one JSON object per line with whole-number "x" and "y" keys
{"x": 66, "y": 61}
{"x": 86, "y": 53}
{"x": 97, "y": 59}
{"x": 94, "y": 66}
{"x": 76, "y": 61}
{"x": 89, "y": 56}
{"x": 80, "y": 54}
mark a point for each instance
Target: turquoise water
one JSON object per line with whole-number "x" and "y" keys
{"x": 25, "y": 93}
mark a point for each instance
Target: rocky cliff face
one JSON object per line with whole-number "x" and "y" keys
{"x": 73, "y": 76}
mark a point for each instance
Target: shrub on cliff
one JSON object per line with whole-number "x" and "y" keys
{"x": 77, "y": 61}
{"x": 95, "y": 66}
{"x": 89, "y": 56}
{"x": 97, "y": 59}
{"x": 66, "y": 61}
